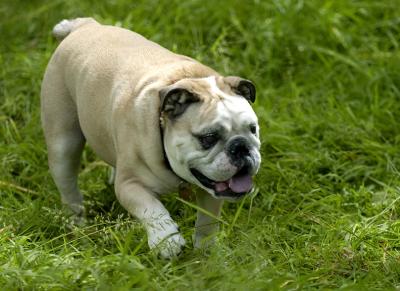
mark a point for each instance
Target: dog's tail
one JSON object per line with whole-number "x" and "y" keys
{"x": 65, "y": 27}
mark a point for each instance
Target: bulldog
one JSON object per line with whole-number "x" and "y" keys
{"x": 159, "y": 118}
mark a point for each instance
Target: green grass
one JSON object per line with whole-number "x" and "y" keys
{"x": 327, "y": 212}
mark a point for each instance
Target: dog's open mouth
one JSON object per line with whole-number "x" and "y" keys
{"x": 237, "y": 186}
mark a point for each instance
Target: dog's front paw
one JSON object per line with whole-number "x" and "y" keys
{"x": 166, "y": 239}
{"x": 171, "y": 246}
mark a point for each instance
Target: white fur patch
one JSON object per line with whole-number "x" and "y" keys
{"x": 214, "y": 88}
{"x": 62, "y": 29}
{"x": 164, "y": 235}
{"x": 234, "y": 112}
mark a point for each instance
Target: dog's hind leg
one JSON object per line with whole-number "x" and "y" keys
{"x": 64, "y": 139}
{"x": 206, "y": 226}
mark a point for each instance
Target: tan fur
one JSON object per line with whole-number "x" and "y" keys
{"x": 89, "y": 61}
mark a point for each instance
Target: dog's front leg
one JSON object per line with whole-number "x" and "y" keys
{"x": 162, "y": 231}
{"x": 206, "y": 226}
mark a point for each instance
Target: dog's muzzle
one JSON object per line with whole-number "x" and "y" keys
{"x": 238, "y": 151}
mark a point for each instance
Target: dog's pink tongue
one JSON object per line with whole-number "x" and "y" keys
{"x": 241, "y": 184}
{"x": 236, "y": 184}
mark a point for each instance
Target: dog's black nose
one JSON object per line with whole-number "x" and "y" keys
{"x": 238, "y": 149}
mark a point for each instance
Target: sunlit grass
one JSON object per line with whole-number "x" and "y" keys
{"x": 326, "y": 214}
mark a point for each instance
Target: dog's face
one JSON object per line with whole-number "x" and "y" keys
{"x": 211, "y": 134}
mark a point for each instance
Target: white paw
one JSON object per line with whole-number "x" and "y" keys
{"x": 165, "y": 238}
{"x": 171, "y": 246}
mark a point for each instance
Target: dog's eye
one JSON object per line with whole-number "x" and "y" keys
{"x": 208, "y": 140}
{"x": 253, "y": 128}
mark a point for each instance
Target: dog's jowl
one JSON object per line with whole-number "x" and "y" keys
{"x": 157, "y": 117}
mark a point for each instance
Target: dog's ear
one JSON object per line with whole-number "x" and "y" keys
{"x": 242, "y": 87}
{"x": 175, "y": 100}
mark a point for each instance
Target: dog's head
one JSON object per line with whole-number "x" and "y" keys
{"x": 211, "y": 133}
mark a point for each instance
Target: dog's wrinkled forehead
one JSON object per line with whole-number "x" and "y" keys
{"x": 215, "y": 88}
{"x": 207, "y": 90}
{"x": 206, "y": 98}
{"x": 224, "y": 102}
